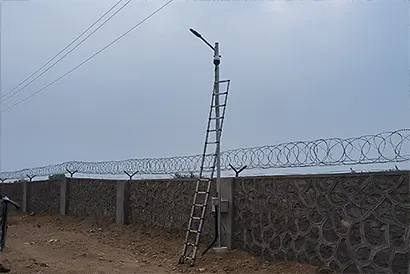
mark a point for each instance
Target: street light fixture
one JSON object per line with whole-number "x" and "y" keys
{"x": 216, "y": 62}
{"x": 197, "y": 34}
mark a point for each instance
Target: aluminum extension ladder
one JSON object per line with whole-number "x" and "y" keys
{"x": 203, "y": 185}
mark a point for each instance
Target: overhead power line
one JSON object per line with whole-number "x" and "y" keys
{"x": 92, "y": 56}
{"x": 65, "y": 55}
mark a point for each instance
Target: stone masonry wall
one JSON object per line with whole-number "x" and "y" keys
{"x": 351, "y": 223}
{"x": 14, "y": 191}
{"x": 166, "y": 204}
{"x": 44, "y": 196}
{"x": 92, "y": 197}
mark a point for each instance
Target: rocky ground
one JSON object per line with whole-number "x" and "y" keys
{"x": 43, "y": 243}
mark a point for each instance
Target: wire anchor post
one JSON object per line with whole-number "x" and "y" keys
{"x": 237, "y": 171}
{"x": 31, "y": 177}
{"x": 130, "y": 175}
{"x": 71, "y": 172}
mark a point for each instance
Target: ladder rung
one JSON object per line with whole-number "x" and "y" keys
{"x": 207, "y": 155}
{"x": 223, "y": 81}
{"x": 189, "y": 258}
{"x": 224, "y": 105}
{"x": 213, "y": 130}
{"x": 221, "y": 93}
{"x": 193, "y": 231}
{"x": 204, "y": 179}
{"x": 202, "y": 192}
{"x": 212, "y": 142}
{"x": 215, "y": 118}
{"x": 190, "y": 244}
{"x": 199, "y": 205}
{"x": 196, "y": 218}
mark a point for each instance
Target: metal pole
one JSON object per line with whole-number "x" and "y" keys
{"x": 218, "y": 134}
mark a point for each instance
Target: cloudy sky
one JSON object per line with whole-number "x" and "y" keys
{"x": 300, "y": 70}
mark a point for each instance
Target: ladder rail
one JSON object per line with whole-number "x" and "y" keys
{"x": 190, "y": 219}
{"x": 224, "y": 107}
{"x": 194, "y": 202}
{"x": 221, "y": 118}
{"x": 221, "y": 124}
{"x": 207, "y": 133}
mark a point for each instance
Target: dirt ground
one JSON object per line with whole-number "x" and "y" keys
{"x": 43, "y": 243}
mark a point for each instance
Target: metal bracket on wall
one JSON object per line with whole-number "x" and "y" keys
{"x": 71, "y": 172}
{"x": 130, "y": 175}
{"x": 31, "y": 177}
{"x": 237, "y": 171}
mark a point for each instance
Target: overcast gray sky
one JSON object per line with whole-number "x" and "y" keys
{"x": 300, "y": 70}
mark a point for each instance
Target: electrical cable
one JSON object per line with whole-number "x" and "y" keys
{"x": 216, "y": 226}
{"x": 61, "y": 51}
{"x": 65, "y": 55}
{"x": 92, "y": 56}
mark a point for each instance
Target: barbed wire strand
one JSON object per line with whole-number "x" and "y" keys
{"x": 91, "y": 57}
{"x": 385, "y": 147}
{"x": 67, "y": 53}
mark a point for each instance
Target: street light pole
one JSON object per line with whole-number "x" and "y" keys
{"x": 216, "y": 61}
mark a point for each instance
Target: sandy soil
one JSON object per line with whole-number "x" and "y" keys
{"x": 40, "y": 243}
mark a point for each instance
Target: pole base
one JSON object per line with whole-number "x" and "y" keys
{"x": 221, "y": 250}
